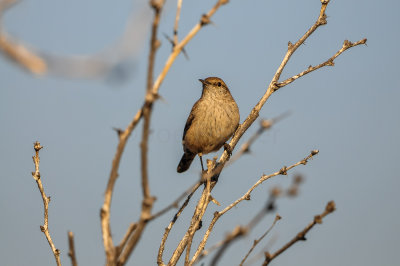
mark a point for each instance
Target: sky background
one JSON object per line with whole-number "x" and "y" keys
{"x": 350, "y": 112}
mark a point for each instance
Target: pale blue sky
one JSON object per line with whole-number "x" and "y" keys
{"x": 349, "y": 112}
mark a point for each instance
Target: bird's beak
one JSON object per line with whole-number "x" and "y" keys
{"x": 203, "y": 81}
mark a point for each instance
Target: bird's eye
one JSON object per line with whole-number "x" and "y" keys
{"x": 219, "y": 84}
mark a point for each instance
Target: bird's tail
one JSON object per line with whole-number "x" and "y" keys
{"x": 185, "y": 162}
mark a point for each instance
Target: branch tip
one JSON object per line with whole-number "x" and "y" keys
{"x": 37, "y": 146}
{"x": 156, "y": 5}
{"x": 330, "y": 207}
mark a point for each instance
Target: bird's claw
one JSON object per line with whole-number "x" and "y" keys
{"x": 228, "y": 149}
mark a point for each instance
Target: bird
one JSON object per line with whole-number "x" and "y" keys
{"x": 212, "y": 121}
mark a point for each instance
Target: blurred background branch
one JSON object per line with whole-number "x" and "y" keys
{"x": 108, "y": 63}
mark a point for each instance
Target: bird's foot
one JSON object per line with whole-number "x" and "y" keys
{"x": 228, "y": 149}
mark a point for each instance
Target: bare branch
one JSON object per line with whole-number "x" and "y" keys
{"x": 246, "y": 196}
{"x": 45, "y": 227}
{"x": 173, "y": 204}
{"x": 178, "y": 13}
{"x": 178, "y": 48}
{"x": 265, "y": 124}
{"x": 132, "y": 227}
{"x": 330, "y": 62}
{"x": 105, "y": 210}
{"x": 273, "y": 86}
{"x": 218, "y": 167}
{"x": 148, "y": 200}
{"x": 71, "y": 252}
{"x": 277, "y": 218}
{"x": 168, "y": 229}
{"x": 330, "y": 207}
{"x": 242, "y": 230}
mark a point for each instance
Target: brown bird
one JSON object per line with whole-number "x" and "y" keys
{"x": 212, "y": 121}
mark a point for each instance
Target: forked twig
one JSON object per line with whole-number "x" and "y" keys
{"x": 242, "y": 230}
{"x": 330, "y": 207}
{"x": 246, "y": 196}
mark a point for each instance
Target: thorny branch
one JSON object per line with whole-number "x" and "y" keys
{"x": 301, "y": 236}
{"x": 246, "y": 196}
{"x": 218, "y": 167}
{"x": 46, "y": 200}
{"x": 242, "y": 230}
{"x": 151, "y": 97}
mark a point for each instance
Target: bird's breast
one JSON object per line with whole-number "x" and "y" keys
{"x": 214, "y": 123}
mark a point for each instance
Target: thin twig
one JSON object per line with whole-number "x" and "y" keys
{"x": 178, "y": 13}
{"x": 330, "y": 62}
{"x": 330, "y": 207}
{"x": 261, "y": 254}
{"x": 71, "y": 252}
{"x": 168, "y": 229}
{"x": 205, "y": 20}
{"x": 242, "y": 230}
{"x": 132, "y": 227}
{"x": 105, "y": 210}
{"x": 246, "y": 196}
{"x": 173, "y": 204}
{"x": 265, "y": 124}
{"x": 256, "y": 241}
{"x": 224, "y": 244}
{"x": 196, "y": 221}
{"x": 45, "y": 227}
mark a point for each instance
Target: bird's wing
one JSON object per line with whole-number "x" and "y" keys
{"x": 189, "y": 121}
